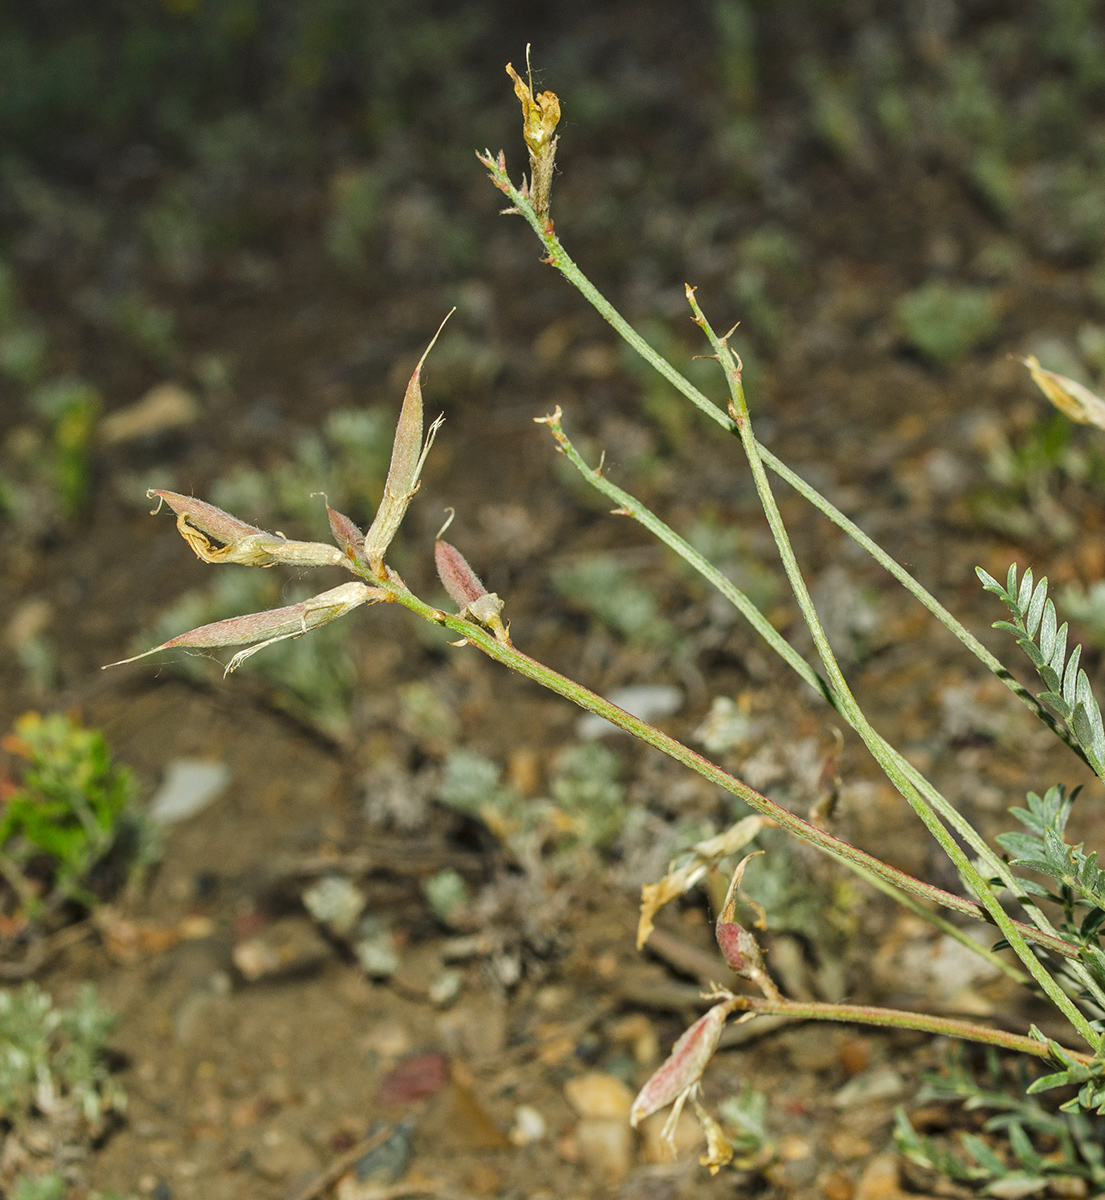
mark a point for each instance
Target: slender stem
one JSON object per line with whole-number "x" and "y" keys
{"x": 559, "y": 258}
{"x": 631, "y": 506}
{"x": 514, "y": 658}
{"x": 889, "y": 762}
{"x": 947, "y": 619}
{"x": 862, "y": 1014}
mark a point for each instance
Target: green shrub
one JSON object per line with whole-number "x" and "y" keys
{"x": 64, "y": 812}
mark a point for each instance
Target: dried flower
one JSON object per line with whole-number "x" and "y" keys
{"x": 1068, "y": 395}
{"x": 719, "y": 1149}
{"x": 540, "y": 115}
{"x": 679, "y": 880}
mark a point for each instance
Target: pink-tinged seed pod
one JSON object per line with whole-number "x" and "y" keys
{"x": 457, "y": 577}
{"x": 243, "y": 544}
{"x": 271, "y": 626}
{"x": 683, "y": 1067}
{"x": 347, "y": 537}
{"x": 408, "y": 454}
{"x": 738, "y": 947}
{"x": 464, "y": 586}
{"x": 206, "y": 517}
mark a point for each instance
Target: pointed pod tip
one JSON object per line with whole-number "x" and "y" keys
{"x": 433, "y": 340}
{"x": 122, "y": 662}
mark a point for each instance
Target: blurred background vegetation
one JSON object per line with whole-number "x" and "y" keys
{"x": 220, "y": 218}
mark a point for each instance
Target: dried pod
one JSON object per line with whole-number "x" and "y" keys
{"x": 408, "y": 454}
{"x": 682, "y": 1069}
{"x": 272, "y": 626}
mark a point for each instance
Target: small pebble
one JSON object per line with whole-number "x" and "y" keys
{"x": 529, "y": 1125}
{"x": 846, "y": 1146}
{"x": 289, "y": 946}
{"x": 484, "y": 1180}
{"x": 605, "y": 1148}
{"x": 599, "y": 1095}
{"x": 375, "y": 949}
{"x": 388, "y": 1039}
{"x": 879, "y": 1180}
{"x": 387, "y": 1163}
{"x": 189, "y": 786}
{"x": 880, "y": 1083}
{"x": 837, "y": 1186}
{"x": 445, "y": 988}
{"x": 335, "y": 902}
{"x": 281, "y": 1156}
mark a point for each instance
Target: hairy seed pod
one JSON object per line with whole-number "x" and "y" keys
{"x": 683, "y": 1067}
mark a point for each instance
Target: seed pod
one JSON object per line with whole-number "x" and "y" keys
{"x": 458, "y": 578}
{"x": 683, "y": 1067}
{"x": 464, "y": 586}
{"x": 206, "y": 517}
{"x": 272, "y": 626}
{"x": 347, "y": 537}
{"x": 243, "y": 544}
{"x": 739, "y": 948}
{"x": 408, "y": 454}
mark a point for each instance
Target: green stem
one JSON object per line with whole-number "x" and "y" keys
{"x": 947, "y": 619}
{"x": 862, "y": 1014}
{"x": 630, "y": 506}
{"x": 557, "y": 256}
{"x": 888, "y": 760}
{"x": 514, "y": 658}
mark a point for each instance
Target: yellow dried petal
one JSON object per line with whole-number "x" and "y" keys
{"x": 1068, "y": 395}
{"x": 655, "y": 895}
